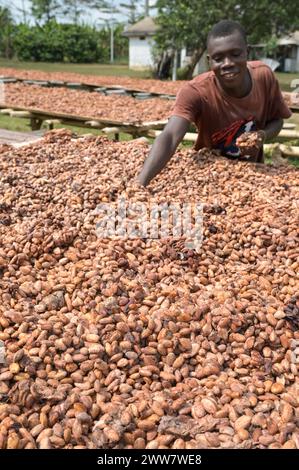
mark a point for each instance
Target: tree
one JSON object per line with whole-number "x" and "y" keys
{"x": 131, "y": 10}
{"x": 45, "y": 10}
{"x": 19, "y": 9}
{"x": 6, "y": 33}
{"x": 74, "y": 8}
{"x": 61, "y": 42}
{"x": 135, "y": 10}
{"x": 185, "y": 22}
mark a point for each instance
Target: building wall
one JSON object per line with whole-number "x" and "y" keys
{"x": 291, "y": 61}
{"x": 201, "y": 66}
{"x": 140, "y": 55}
{"x": 287, "y": 55}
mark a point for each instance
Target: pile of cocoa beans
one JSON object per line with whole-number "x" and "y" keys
{"x": 145, "y": 85}
{"x": 91, "y": 105}
{"x": 143, "y": 343}
{"x": 150, "y": 85}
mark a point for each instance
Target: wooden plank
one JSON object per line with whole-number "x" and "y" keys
{"x": 74, "y": 118}
{"x": 82, "y": 121}
{"x": 290, "y": 151}
{"x": 21, "y": 114}
{"x": 6, "y": 111}
{"x": 289, "y": 125}
{"x": 192, "y": 137}
{"x": 111, "y": 130}
{"x": 189, "y": 136}
{"x": 95, "y": 124}
{"x": 286, "y": 150}
{"x": 289, "y": 134}
{"x": 52, "y": 121}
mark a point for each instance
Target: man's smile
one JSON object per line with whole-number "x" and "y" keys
{"x": 229, "y": 75}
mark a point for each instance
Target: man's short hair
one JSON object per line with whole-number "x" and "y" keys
{"x": 226, "y": 28}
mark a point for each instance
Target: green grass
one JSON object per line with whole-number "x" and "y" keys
{"x": 14, "y": 124}
{"x": 23, "y": 125}
{"x": 294, "y": 119}
{"x": 295, "y": 162}
{"x": 119, "y": 70}
{"x": 285, "y": 80}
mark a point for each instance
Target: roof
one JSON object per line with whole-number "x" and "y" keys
{"x": 289, "y": 40}
{"x": 145, "y": 27}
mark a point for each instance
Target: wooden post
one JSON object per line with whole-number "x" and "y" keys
{"x": 112, "y": 131}
{"x": 35, "y": 123}
{"x": 51, "y": 122}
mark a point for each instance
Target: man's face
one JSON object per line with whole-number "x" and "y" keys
{"x": 228, "y": 60}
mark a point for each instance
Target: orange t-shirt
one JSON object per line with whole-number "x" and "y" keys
{"x": 221, "y": 118}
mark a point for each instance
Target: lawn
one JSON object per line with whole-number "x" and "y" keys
{"x": 119, "y": 70}
{"x": 294, "y": 120}
{"x": 287, "y": 81}
{"x": 23, "y": 125}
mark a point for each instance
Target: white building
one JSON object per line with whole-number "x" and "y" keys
{"x": 287, "y": 52}
{"x": 141, "y": 43}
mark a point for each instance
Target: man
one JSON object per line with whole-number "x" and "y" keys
{"x": 234, "y": 98}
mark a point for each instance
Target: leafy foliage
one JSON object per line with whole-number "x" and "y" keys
{"x": 45, "y": 10}
{"x": 187, "y": 23}
{"x": 7, "y": 28}
{"x": 54, "y": 42}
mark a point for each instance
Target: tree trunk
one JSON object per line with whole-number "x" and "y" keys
{"x": 7, "y": 53}
{"x": 196, "y": 56}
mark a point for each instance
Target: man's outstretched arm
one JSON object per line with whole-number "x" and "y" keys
{"x": 272, "y": 128}
{"x": 163, "y": 148}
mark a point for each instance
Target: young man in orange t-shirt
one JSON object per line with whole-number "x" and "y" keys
{"x": 234, "y": 103}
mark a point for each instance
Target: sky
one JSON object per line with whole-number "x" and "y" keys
{"x": 17, "y": 6}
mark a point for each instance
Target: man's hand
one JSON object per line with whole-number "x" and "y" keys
{"x": 163, "y": 148}
{"x": 136, "y": 190}
{"x": 250, "y": 143}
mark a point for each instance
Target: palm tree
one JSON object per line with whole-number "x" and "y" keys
{"x": 6, "y": 32}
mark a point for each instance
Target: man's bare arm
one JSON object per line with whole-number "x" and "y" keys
{"x": 273, "y": 128}
{"x": 163, "y": 149}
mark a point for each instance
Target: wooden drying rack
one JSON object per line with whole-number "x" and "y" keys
{"x": 38, "y": 116}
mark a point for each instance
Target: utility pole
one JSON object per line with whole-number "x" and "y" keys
{"x": 24, "y": 12}
{"x": 111, "y": 42}
{"x": 111, "y": 10}
{"x": 146, "y": 8}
